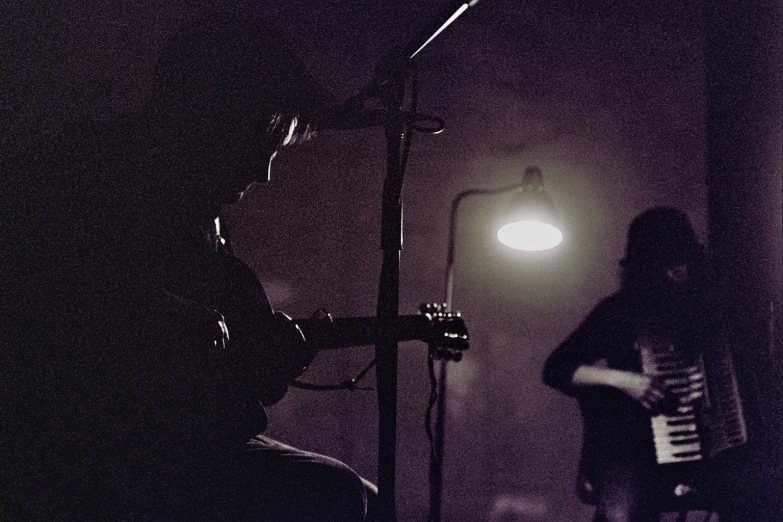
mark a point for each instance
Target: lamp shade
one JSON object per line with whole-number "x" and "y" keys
{"x": 530, "y": 223}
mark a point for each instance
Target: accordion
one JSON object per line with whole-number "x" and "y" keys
{"x": 704, "y": 427}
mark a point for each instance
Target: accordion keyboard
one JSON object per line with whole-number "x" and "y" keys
{"x": 675, "y": 434}
{"x": 699, "y": 429}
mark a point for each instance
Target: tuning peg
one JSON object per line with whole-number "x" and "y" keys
{"x": 432, "y": 308}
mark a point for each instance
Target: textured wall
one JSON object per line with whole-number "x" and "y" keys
{"x": 607, "y": 98}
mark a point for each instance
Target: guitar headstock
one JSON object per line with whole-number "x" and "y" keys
{"x": 448, "y": 336}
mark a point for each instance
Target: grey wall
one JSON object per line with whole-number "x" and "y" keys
{"x": 607, "y": 98}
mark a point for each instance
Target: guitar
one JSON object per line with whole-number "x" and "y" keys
{"x": 444, "y": 331}
{"x": 270, "y": 349}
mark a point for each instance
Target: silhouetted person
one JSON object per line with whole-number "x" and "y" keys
{"x": 664, "y": 306}
{"x": 137, "y": 352}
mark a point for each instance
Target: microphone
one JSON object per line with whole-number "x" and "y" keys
{"x": 350, "y": 116}
{"x": 353, "y": 113}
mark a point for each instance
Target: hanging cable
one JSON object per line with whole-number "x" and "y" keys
{"x": 350, "y": 384}
{"x": 434, "y": 457}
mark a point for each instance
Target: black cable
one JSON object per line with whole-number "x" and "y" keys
{"x": 350, "y": 385}
{"x": 426, "y": 124}
{"x": 413, "y": 105}
{"x": 436, "y": 459}
{"x": 432, "y": 400}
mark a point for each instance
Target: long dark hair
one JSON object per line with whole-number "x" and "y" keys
{"x": 658, "y": 240}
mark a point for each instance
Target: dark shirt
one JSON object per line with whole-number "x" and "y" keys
{"x": 607, "y": 333}
{"x": 616, "y": 427}
{"x": 118, "y": 383}
{"x": 617, "y": 449}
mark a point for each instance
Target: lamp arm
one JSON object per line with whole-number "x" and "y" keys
{"x": 436, "y": 452}
{"x": 453, "y": 228}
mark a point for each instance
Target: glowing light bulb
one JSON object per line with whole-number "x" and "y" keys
{"x": 530, "y": 235}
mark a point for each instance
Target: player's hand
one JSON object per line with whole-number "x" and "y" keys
{"x": 294, "y": 352}
{"x": 648, "y": 391}
{"x": 688, "y": 387}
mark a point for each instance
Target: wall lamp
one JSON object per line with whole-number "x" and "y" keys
{"x": 530, "y": 223}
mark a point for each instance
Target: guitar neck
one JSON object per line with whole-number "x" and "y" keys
{"x": 361, "y": 331}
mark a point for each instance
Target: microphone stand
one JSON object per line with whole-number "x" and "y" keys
{"x": 386, "y": 348}
{"x": 389, "y": 85}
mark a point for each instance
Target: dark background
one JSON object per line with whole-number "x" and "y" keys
{"x": 612, "y": 100}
